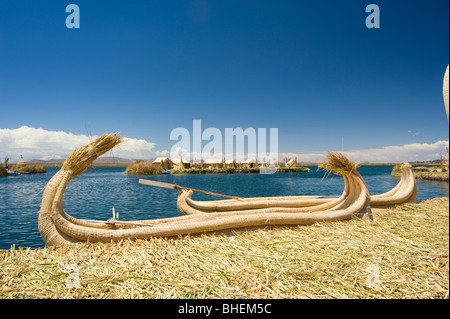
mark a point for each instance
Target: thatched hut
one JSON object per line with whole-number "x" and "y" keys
{"x": 165, "y": 162}
{"x": 231, "y": 163}
{"x": 181, "y": 163}
{"x": 291, "y": 163}
{"x": 444, "y": 163}
{"x": 275, "y": 163}
{"x": 250, "y": 163}
{"x": 211, "y": 163}
{"x": 21, "y": 163}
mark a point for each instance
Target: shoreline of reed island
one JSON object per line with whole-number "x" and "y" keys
{"x": 142, "y": 168}
{"x": 425, "y": 173}
{"x": 146, "y": 168}
{"x": 27, "y": 168}
{"x": 236, "y": 170}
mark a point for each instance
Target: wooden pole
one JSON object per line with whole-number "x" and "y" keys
{"x": 176, "y": 187}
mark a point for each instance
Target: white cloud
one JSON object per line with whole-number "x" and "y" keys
{"x": 38, "y": 143}
{"x": 413, "y": 133}
{"x": 388, "y": 154}
{"x": 133, "y": 148}
{"x": 162, "y": 153}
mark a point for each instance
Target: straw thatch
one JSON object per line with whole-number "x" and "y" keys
{"x": 338, "y": 163}
{"x": 144, "y": 168}
{"x": 83, "y": 157}
{"x": 21, "y": 162}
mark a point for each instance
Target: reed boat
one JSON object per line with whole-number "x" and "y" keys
{"x": 404, "y": 192}
{"x": 57, "y": 228}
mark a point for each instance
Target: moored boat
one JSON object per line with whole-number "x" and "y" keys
{"x": 404, "y": 192}
{"x": 58, "y": 228}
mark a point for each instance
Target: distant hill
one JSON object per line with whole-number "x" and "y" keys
{"x": 112, "y": 160}
{"x": 119, "y": 160}
{"x": 100, "y": 160}
{"x": 51, "y": 161}
{"x": 438, "y": 161}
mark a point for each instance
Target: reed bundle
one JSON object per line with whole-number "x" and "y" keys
{"x": 143, "y": 168}
{"x": 84, "y": 156}
{"x": 338, "y": 163}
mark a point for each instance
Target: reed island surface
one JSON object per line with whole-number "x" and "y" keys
{"x": 401, "y": 253}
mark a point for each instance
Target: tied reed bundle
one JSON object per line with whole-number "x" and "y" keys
{"x": 83, "y": 157}
{"x": 52, "y": 198}
{"x": 338, "y": 163}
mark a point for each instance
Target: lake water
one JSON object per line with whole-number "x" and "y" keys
{"x": 93, "y": 194}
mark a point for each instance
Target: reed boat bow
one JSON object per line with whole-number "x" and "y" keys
{"x": 404, "y": 192}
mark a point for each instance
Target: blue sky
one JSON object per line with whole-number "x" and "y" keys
{"x": 310, "y": 68}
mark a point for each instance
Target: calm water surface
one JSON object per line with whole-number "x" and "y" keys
{"x": 93, "y": 194}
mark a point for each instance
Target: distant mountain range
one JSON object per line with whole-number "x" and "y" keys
{"x": 119, "y": 160}
{"x": 100, "y": 160}
{"x": 437, "y": 161}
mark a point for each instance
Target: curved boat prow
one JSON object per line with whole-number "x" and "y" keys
{"x": 404, "y": 192}
{"x": 52, "y": 198}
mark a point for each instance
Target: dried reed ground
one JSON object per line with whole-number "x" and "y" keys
{"x": 402, "y": 253}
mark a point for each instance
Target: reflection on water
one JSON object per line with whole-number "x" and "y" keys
{"x": 93, "y": 194}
